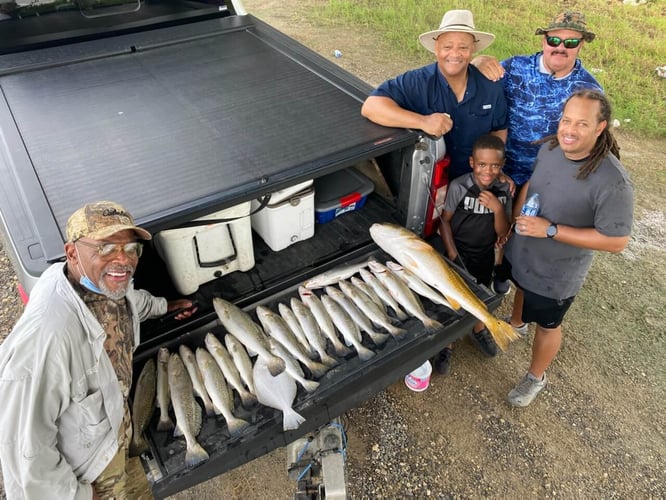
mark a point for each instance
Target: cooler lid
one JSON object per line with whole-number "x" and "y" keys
{"x": 331, "y": 190}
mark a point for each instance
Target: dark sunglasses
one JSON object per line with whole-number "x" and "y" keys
{"x": 569, "y": 43}
{"x": 133, "y": 250}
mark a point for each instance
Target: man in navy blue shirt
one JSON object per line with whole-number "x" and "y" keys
{"x": 449, "y": 97}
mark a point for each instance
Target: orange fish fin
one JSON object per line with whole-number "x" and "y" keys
{"x": 454, "y": 303}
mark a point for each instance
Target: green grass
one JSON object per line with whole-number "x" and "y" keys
{"x": 630, "y": 43}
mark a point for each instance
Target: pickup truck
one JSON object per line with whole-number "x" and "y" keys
{"x": 183, "y": 109}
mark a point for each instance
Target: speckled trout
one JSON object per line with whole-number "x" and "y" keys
{"x": 240, "y": 325}
{"x": 142, "y": 407}
{"x": 187, "y": 410}
{"x": 423, "y": 260}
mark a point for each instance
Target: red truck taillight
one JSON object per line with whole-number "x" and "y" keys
{"x": 440, "y": 181}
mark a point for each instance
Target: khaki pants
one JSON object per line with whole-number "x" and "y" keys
{"x": 123, "y": 479}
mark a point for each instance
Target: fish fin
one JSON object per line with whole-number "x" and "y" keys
{"x": 454, "y": 304}
{"x": 342, "y": 351}
{"x": 400, "y": 314}
{"x": 364, "y": 353}
{"x": 378, "y": 339}
{"x": 317, "y": 369}
{"x": 237, "y": 425}
{"x": 397, "y": 333}
{"x": 312, "y": 353}
{"x": 502, "y": 332}
{"x": 276, "y": 365}
{"x": 309, "y": 385}
{"x": 431, "y": 325}
{"x": 291, "y": 420}
{"x": 248, "y": 400}
{"x": 329, "y": 361}
{"x": 195, "y": 455}
{"x": 165, "y": 424}
{"x": 209, "y": 406}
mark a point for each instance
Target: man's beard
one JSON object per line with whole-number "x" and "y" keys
{"x": 119, "y": 293}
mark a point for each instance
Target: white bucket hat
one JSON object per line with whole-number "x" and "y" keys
{"x": 460, "y": 21}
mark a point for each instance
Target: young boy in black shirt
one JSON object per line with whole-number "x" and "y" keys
{"x": 477, "y": 210}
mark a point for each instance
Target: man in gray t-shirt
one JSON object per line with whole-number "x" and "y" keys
{"x": 586, "y": 204}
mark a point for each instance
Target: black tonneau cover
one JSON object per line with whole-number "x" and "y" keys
{"x": 174, "y": 123}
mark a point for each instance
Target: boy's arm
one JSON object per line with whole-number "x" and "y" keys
{"x": 447, "y": 235}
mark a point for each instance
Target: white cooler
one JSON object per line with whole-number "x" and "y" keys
{"x": 195, "y": 255}
{"x": 288, "y": 217}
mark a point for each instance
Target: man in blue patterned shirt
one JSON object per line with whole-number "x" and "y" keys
{"x": 536, "y": 86}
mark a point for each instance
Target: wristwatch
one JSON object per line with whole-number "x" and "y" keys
{"x": 552, "y": 230}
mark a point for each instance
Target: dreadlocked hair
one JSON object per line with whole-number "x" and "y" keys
{"x": 606, "y": 142}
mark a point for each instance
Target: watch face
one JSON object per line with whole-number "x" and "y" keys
{"x": 551, "y": 231}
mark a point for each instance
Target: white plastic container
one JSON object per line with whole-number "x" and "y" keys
{"x": 419, "y": 379}
{"x": 196, "y": 255}
{"x": 288, "y": 217}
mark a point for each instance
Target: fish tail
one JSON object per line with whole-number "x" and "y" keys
{"x": 309, "y": 385}
{"x": 318, "y": 370}
{"x": 397, "y": 333}
{"x": 210, "y": 408}
{"x": 431, "y": 325}
{"x": 400, "y": 314}
{"x": 138, "y": 445}
{"x": 237, "y": 425}
{"x": 502, "y": 332}
{"x": 276, "y": 365}
{"x": 248, "y": 400}
{"x": 342, "y": 350}
{"x": 378, "y": 339}
{"x": 312, "y": 353}
{"x": 165, "y": 424}
{"x": 364, "y": 353}
{"x": 328, "y": 360}
{"x": 291, "y": 420}
{"x": 195, "y": 454}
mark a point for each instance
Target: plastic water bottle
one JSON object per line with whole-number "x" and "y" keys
{"x": 530, "y": 208}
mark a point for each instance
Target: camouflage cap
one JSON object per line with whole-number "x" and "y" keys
{"x": 568, "y": 20}
{"x": 100, "y": 220}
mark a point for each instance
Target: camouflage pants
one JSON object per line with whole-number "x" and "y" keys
{"x": 123, "y": 479}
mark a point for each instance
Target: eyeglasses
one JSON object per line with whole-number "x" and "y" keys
{"x": 569, "y": 43}
{"x": 133, "y": 249}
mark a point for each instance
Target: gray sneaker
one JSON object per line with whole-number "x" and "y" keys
{"x": 527, "y": 389}
{"x": 520, "y": 330}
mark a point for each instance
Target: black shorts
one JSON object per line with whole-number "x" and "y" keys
{"x": 480, "y": 265}
{"x": 544, "y": 311}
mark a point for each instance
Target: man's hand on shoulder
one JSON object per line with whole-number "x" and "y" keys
{"x": 489, "y": 67}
